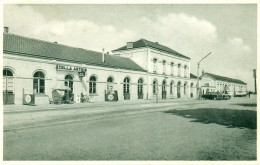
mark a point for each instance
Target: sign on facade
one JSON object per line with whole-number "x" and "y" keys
{"x": 70, "y": 68}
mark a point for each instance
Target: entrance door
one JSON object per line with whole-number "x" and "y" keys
{"x": 179, "y": 90}
{"x": 164, "y": 93}
{"x": 8, "y": 87}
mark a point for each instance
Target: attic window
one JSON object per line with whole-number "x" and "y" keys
{"x": 129, "y": 45}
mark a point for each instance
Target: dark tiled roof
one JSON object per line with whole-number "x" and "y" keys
{"x": 192, "y": 76}
{"x": 145, "y": 43}
{"x": 15, "y": 44}
{"x": 227, "y": 79}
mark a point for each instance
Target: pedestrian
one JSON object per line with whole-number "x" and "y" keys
{"x": 249, "y": 95}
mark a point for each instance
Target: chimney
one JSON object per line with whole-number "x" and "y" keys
{"x": 6, "y": 29}
{"x": 129, "y": 45}
{"x": 103, "y": 55}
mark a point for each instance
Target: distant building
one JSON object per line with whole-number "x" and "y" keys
{"x": 215, "y": 83}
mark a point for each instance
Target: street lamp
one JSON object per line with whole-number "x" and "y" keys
{"x": 198, "y": 91}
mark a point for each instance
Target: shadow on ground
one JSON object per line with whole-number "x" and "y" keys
{"x": 227, "y": 117}
{"x": 246, "y": 105}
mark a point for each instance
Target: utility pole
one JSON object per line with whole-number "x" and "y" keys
{"x": 198, "y": 87}
{"x": 254, "y": 74}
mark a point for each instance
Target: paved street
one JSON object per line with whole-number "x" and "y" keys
{"x": 168, "y": 130}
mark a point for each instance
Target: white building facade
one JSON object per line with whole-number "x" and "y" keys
{"x": 168, "y": 72}
{"x": 215, "y": 83}
{"x": 139, "y": 70}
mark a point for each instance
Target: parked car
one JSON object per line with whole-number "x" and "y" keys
{"x": 216, "y": 96}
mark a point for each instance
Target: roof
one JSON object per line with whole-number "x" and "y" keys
{"x": 145, "y": 43}
{"x": 227, "y": 79}
{"x": 20, "y": 45}
{"x": 192, "y": 76}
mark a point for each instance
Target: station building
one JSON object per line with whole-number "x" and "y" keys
{"x": 215, "y": 83}
{"x": 138, "y": 70}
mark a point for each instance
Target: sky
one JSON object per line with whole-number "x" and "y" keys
{"x": 228, "y": 31}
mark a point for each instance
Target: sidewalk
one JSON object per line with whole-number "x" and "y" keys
{"x": 29, "y": 108}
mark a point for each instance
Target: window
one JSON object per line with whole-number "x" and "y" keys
{"x": 155, "y": 87}
{"x": 179, "y": 69}
{"x": 164, "y": 85}
{"x": 185, "y": 71}
{"x": 140, "y": 86}
{"x": 206, "y": 84}
{"x": 93, "y": 85}
{"x": 39, "y": 82}
{"x": 69, "y": 82}
{"x": 126, "y": 85}
{"x": 191, "y": 88}
{"x": 184, "y": 88}
{"x": 110, "y": 81}
{"x": 8, "y": 81}
{"x": 171, "y": 87}
{"x": 172, "y": 68}
{"x": 164, "y": 66}
{"x": 154, "y": 65}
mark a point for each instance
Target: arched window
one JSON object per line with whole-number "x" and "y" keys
{"x": 140, "y": 86}
{"x": 126, "y": 85}
{"x": 39, "y": 82}
{"x": 185, "y": 88}
{"x": 164, "y": 85}
{"x": 179, "y": 89}
{"x": 8, "y": 81}
{"x": 155, "y": 84}
{"x": 171, "y": 87}
{"x": 69, "y": 82}
{"x": 93, "y": 85}
{"x": 110, "y": 81}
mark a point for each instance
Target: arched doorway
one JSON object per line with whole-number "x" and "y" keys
{"x": 155, "y": 87}
{"x": 140, "y": 88}
{"x": 8, "y": 87}
{"x": 179, "y": 90}
{"x": 171, "y": 88}
{"x": 126, "y": 86}
{"x": 39, "y": 82}
{"x": 185, "y": 88}
{"x": 191, "y": 90}
{"x": 164, "y": 92}
{"x": 69, "y": 83}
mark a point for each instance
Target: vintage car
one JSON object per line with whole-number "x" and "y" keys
{"x": 216, "y": 96}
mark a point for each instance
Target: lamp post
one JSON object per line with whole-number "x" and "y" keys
{"x": 198, "y": 88}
